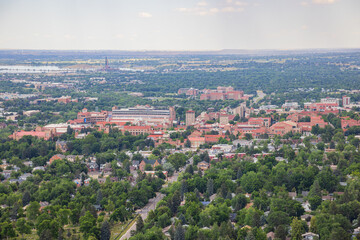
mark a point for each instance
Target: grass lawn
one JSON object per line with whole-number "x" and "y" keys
{"x": 121, "y": 228}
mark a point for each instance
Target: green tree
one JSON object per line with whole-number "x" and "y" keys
{"x": 7, "y": 230}
{"x": 110, "y": 206}
{"x": 281, "y": 232}
{"x": 210, "y": 187}
{"x": 26, "y": 198}
{"x": 187, "y": 143}
{"x": 239, "y": 202}
{"x": 32, "y": 211}
{"x": 139, "y": 224}
{"x": 23, "y": 227}
{"x": 88, "y": 224}
{"x": 296, "y": 229}
{"x": 179, "y": 232}
{"x": 105, "y": 232}
{"x": 64, "y": 215}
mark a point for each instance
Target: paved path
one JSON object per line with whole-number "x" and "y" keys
{"x": 144, "y": 213}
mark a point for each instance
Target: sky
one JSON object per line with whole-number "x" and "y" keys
{"x": 179, "y": 24}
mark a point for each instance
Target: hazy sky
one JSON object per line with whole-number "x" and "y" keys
{"x": 179, "y": 24}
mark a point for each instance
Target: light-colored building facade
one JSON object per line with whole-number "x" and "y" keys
{"x": 190, "y": 118}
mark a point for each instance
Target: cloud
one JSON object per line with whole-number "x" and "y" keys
{"x": 304, "y": 4}
{"x": 241, "y": 4}
{"x": 119, "y": 36}
{"x": 231, "y": 9}
{"x": 304, "y": 27}
{"x": 202, "y": 4}
{"x": 202, "y": 8}
{"x": 214, "y": 10}
{"x": 145, "y": 15}
{"x": 324, "y": 1}
{"x": 200, "y": 11}
{"x": 69, "y": 37}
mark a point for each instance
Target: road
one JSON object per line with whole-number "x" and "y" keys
{"x": 260, "y": 95}
{"x": 144, "y": 213}
{"x": 153, "y": 201}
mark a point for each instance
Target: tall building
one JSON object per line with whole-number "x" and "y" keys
{"x": 240, "y": 110}
{"x": 190, "y": 117}
{"x": 346, "y": 100}
{"x": 172, "y": 114}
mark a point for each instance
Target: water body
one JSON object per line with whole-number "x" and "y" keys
{"x": 32, "y": 69}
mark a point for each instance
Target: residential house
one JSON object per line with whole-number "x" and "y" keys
{"x": 61, "y": 146}
{"x": 56, "y": 157}
{"x": 310, "y": 236}
{"x": 144, "y": 162}
{"x": 203, "y": 165}
{"x": 92, "y": 166}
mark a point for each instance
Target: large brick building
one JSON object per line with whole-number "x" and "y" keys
{"x": 222, "y": 93}
{"x": 92, "y": 117}
{"x": 138, "y": 130}
{"x": 282, "y": 128}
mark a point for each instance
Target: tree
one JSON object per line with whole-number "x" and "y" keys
{"x": 251, "y": 182}
{"x": 120, "y": 214}
{"x": 179, "y": 232}
{"x": 7, "y": 230}
{"x": 22, "y": 227}
{"x": 63, "y": 215}
{"x": 26, "y": 198}
{"x": 164, "y": 220}
{"x": 183, "y": 188}
{"x": 45, "y": 235}
{"x": 338, "y": 233}
{"x": 32, "y": 211}
{"x": 189, "y": 169}
{"x": 187, "y": 143}
{"x": 105, "y": 232}
{"x": 110, "y": 206}
{"x": 296, "y": 229}
{"x": 175, "y": 201}
{"x": 327, "y": 180}
{"x": 139, "y": 224}
{"x": 87, "y": 224}
{"x": 169, "y": 168}
{"x": 99, "y": 197}
{"x": 210, "y": 187}
{"x": 277, "y": 218}
{"x": 250, "y": 236}
{"x": 239, "y": 202}
{"x": 47, "y": 228}
{"x": 315, "y": 189}
{"x": 281, "y": 232}
{"x": 248, "y": 136}
{"x": 69, "y": 130}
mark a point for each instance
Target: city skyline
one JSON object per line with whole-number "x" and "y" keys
{"x": 179, "y": 25}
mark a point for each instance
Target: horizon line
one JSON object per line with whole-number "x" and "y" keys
{"x": 184, "y": 50}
